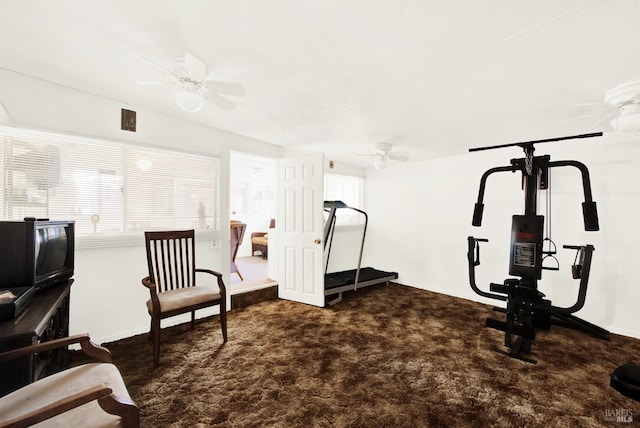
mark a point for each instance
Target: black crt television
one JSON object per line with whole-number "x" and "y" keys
{"x": 36, "y": 253}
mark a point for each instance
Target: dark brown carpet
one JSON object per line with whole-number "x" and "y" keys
{"x": 387, "y": 356}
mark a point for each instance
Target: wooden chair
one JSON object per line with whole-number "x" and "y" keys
{"x": 172, "y": 283}
{"x": 91, "y": 395}
{"x": 237, "y": 234}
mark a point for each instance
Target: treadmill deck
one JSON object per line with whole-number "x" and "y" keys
{"x": 337, "y": 282}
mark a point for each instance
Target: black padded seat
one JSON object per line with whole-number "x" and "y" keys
{"x": 626, "y": 380}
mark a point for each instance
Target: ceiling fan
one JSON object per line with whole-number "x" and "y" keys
{"x": 384, "y": 153}
{"x": 626, "y": 98}
{"x": 624, "y": 102}
{"x": 193, "y": 84}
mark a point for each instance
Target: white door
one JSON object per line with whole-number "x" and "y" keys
{"x": 299, "y": 226}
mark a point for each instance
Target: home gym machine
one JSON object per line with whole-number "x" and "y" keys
{"x": 526, "y": 309}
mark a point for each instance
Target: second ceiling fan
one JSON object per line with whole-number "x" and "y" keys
{"x": 384, "y": 153}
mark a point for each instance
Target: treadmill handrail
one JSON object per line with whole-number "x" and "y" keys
{"x": 329, "y": 229}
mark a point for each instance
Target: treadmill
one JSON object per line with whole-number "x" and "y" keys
{"x": 335, "y": 283}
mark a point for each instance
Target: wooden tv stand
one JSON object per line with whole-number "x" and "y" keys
{"x": 45, "y": 317}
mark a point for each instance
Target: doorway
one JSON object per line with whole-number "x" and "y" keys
{"x": 252, "y": 204}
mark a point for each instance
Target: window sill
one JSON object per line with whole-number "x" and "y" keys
{"x": 131, "y": 239}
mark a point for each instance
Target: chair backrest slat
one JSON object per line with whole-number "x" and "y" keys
{"x": 182, "y": 278}
{"x": 171, "y": 259}
{"x": 171, "y": 264}
{"x": 166, "y": 264}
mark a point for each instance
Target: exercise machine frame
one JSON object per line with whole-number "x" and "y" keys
{"x": 526, "y": 309}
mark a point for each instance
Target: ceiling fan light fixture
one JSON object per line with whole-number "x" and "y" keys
{"x": 626, "y": 123}
{"x": 380, "y": 162}
{"x": 189, "y": 101}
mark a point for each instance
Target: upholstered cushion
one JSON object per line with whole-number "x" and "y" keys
{"x": 182, "y": 297}
{"x": 260, "y": 240}
{"x": 61, "y": 385}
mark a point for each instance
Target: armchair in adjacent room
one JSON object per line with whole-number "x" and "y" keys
{"x": 260, "y": 241}
{"x": 91, "y": 395}
{"x": 172, "y": 282}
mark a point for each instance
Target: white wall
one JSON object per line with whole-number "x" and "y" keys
{"x": 420, "y": 218}
{"x": 107, "y": 298}
{"x": 5, "y": 118}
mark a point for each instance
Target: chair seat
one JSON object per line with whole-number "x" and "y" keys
{"x": 626, "y": 380}
{"x": 184, "y": 297}
{"x": 64, "y": 384}
{"x": 260, "y": 240}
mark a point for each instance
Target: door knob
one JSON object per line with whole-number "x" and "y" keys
{"x": 317, "y": 241}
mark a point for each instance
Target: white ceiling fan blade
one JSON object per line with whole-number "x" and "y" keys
{"x": 195, "y": 68}
{"x": 226, "y": 88}
{"x": 153, "y": 64}
{"x": 219, "y": 101}
{"x": 584, "y": 116}
{"x": 399, "y": 156}
{"x": 153, "y": 83}
{"x": 603, "y": 119}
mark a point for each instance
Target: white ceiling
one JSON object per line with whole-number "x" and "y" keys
{"x": 432, "y": 77}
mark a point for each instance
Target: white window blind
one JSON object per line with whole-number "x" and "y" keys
{"x": 169, "y": 190}
{"x": 107, "y": 188}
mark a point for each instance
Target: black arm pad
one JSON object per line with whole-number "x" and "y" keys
{"x": 590, "y": 214}
{"x": 477, "y": 214}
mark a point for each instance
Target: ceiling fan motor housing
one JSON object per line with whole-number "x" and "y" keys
{"x": 626, "y": 93}
{"x": 383, "y": 149}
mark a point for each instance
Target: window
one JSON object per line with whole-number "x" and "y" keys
{"x": 347, "y": 189}
{"x": 107, "y": 188}
{"x": 168, "y": 189}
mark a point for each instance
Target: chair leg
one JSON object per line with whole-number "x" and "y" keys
{"x": 240, "y": 275}
{"x": 156, "y": 341}
{"x": 223, "y": 320}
